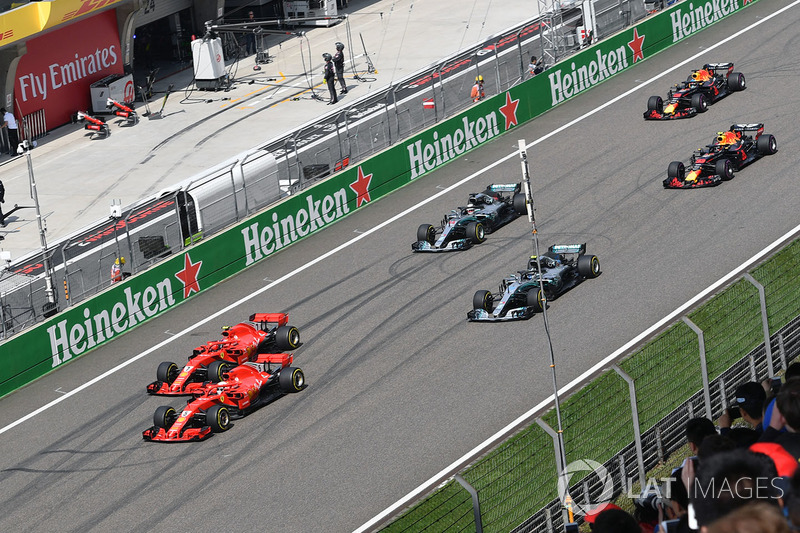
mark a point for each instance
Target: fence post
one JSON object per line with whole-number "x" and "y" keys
{"x": 703, "y": 367}
{"x": 550, "y": 431}
{"x": 476, "y": 505}
{"x": 762, "y": 298}
{"x": 637, "y": 434}
{"x": 782, "y": 350}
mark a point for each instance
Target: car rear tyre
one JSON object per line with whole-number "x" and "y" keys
{"x": 536, "y": 299}
{"x": 676, "y": 170}
{"x": 291, "y": 379}
{"x": 427, "y": 233}
{"x": 767, "y": 145}
{"x": 476, "y": 232}
{"x": 724, "y": 169}
{"x": 588, "y": 266}
{"x": 287, "y": 338}
{"x": 655, "y": 103}
{"x": 218, "y": 418}
{"x": 217, "y": 371}
{"x": 520, "y": 204}
{"x": 700, "y": 102}
{"x": 164, "y": 417}
{"x": 483, "y": 300}
{"x": 736, "y": 81}
{"x": 167, "y": 372}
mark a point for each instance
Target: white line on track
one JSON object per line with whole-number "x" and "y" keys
{"x": 379, "y": 227}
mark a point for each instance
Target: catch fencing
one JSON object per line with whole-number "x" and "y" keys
{"x": 631, "y": 417}
{"x": 151, "y": 230}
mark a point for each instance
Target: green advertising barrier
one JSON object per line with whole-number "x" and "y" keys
{"x": 77, "y": 330}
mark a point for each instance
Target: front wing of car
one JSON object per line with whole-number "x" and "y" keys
{"x": 452, "y": 246}
{"x": 686, "y": 112}
{"x": 520, "y": 313}
{"x": 191, "y": 434}
{"x": 703, "y": 181}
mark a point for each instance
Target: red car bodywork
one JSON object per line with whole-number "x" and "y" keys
{"x": 245, "y": 388}
{"x": 240, "y": 343}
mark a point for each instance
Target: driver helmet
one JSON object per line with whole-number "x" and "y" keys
{"x": 326, "y": 56}
{"x": 339, "y": 46}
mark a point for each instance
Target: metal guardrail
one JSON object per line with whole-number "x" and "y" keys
{"x": 158, "y": 227}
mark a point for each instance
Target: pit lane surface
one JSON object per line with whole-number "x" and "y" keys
{"x": 400, "y": 385}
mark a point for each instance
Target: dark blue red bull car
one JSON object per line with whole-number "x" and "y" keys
{"x": 704, "y": 87}
{"x": 729, "y": 152}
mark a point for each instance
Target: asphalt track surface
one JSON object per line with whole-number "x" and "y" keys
{"x": 400, "y": 385}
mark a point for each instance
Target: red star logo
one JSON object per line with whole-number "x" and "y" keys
{"x": 188, "y": 276}
{"x": 509, "y": 111}
{"x": 361, "y": 187}
{"x": 636, "y": 46}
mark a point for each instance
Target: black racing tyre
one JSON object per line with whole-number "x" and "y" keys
{"x": 218, "y": 418}
{"x": 655, "y": 103}
{"x": 700, "y": 102}
{"x": 724, "y": 169}
{"x": 736, "y": 82}
{"x": 291, "y": 379}
{"x": 167, "y": 372}
{"x": 766, "y": 144}
{"x": 164, "y": 417}
{"x": 427, "y": 233}
{"x": 536, "y": 299}
{"x": 483, "y": 300}
{"x": 588, "y": 266}
{"x": 476, "y": 232}
{"x": 676, "y": 170}
{"x": 520, "y": 204}
{"x": 287, "y": 338}
{"x": 217, "y": 370}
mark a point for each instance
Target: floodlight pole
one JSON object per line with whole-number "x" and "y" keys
{"x": 526, "y": 180}
{"x": 26, "y": 147}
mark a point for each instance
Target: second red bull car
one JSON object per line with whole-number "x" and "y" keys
{"x": 264, "y": 333}
{"x": 729, "y": 152}
{"x": 703, "y": 87}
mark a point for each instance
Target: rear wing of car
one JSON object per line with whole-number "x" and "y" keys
{"x": 754, "y": 130}
{"x": 281, "y": 319}
{"x": 720, "y": 68}
{"x": 504, "y": 187}
{"x": 568, "y": 248}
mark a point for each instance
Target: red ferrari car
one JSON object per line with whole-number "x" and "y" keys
{"x": 242, "y": 390}
{"x": 264, "y": 333}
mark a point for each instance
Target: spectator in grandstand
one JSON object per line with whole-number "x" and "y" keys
{"x": 793, "y": 371}
{"x": 698, "y": 429}
{"x": 592, "y": 514}
{"x": 786, "y": 415}
{"x": 743, "y": 437}
{"x": 792, "y": 505}
{"x": 714, "y": 444}
{"x": 751, "y": 518}
{"x": 729, "y": 480}
{"x": 748, "y": 404}
{"x": 673, "y": 506}
{"x": 614, "y": 521}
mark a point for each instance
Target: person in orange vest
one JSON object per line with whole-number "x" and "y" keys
{"x": 116, "y": 270}
{"x": 478, "y": 93}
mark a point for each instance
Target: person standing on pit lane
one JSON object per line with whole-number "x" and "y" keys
{"x": 338, "y": 63}
{"x": 329, "y": 77}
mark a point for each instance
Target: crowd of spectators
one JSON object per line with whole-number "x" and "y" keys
{"x": 740, "y": 477}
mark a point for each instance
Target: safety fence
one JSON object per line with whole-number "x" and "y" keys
{"x": 631, "y": 417}
{"x": 205, "y": 204}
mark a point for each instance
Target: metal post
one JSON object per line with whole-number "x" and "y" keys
{"x": 42, "y": 238}
{"x": 782, "y": 350}
{"x": 703, "y": 367}
{"x": 637, "y": 434}
{"x": 476, "y": 505}
{"x": 526, "y": 180}
{"x": 762, "y": 298}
